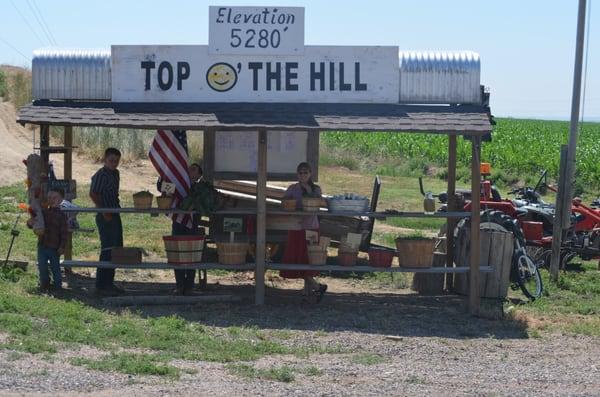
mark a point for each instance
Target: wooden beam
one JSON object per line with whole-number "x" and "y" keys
{"x": 45, "y": 142}
{"x": 474, "y": 276}
{"x": 451, "y": 223}
{"x": 261, "y": 218}
{"x": 68, "y": 175}
{"x": 209, "y": 155}
{"x": 68, "y": 144}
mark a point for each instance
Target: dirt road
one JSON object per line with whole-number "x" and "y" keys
{"x": 16, "y": 143}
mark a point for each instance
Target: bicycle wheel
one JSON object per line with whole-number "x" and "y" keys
{"x": 528, "y": 276}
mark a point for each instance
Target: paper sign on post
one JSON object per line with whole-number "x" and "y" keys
{"x": 354, "y": 239}
{"x": 312, "y": 237}
{"x": 232, "y": 225}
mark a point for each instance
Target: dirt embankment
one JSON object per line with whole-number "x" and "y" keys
{"x": 16, "y": 143}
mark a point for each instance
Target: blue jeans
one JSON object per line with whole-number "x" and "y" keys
{"x": 45, "y": 256}
{"x": 111, "y": 235}
{"x": 184, "y": 278}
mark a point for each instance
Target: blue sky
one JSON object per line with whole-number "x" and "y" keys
{"x": 526, "y": 47}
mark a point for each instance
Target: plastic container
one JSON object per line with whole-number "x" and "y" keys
{"x": 343, "y": 205}
{"x": 184, "y": 249}
{"x": 380, "y": 257}
{"x": 415, "y": 252}
{"x": 232, "y": 253}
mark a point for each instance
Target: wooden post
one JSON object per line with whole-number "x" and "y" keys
{"x": 261, "y": 218}
{"x": 557, "y": 227}
{"x": 474, "y": 297}
{"x": 451, "y": 222}
{"x": 68, "y": 175}
{"x": 45, "y": 143}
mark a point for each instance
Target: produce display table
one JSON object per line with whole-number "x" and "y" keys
{"x": 272, "y": 266}
{"x": 155, "y": 265}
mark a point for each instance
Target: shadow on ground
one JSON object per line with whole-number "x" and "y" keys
{"x": 395, "y": 314}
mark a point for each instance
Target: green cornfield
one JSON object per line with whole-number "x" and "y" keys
{"x": 518, "y": 147}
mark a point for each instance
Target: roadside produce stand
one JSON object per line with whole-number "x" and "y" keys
{"x": 111, "y": 89}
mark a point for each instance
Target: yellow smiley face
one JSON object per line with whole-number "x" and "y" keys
{"x": 221, "y": 77}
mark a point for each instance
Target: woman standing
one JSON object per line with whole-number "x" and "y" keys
{"x": 184, "y": 278}
{"x": 295, "y": 250}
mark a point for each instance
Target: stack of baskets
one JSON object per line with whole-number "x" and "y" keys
{"x": 142, "y": 200}
{"x": 347, "y": 254}
{"x": 232, "y": 253}
{"x": 184, "y": 249}
{"x": 317, "y": 253}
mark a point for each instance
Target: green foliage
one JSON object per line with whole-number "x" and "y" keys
{"x": 130, "y": 363}
{"x": 18, "y": 88}
{"x": 3, "y": 87}
{"x": 368, "y": 359}
{"x": 518, "y": 148}
{"x": 280, "y": 374}
{"x": 201, "y": 198}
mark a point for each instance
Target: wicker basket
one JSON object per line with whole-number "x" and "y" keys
{"x": 415, "y": 253}
{"x": 164, "y": 202}
{"x": 232, "y": 253}
{"x": 316, "y": 255}
{"x": 288, "y": 204}
{"x": 142, "y": 200}
{"x": 311, "y": 204}
{"x": 380, "y": 257}
{"x": 183, "y": 249}
{"x": 347, "y": 255}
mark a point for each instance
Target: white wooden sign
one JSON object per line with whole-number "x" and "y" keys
{"x": 188, "y": 73}
{"x": 237, "y": 151}
{"x": 256, "y": 30}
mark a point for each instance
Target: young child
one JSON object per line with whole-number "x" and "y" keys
{"x": 104, "y": 192}
{"x": 51, "y": 244}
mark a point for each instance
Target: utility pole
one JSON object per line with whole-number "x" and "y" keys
{"x": 566, "y": 185}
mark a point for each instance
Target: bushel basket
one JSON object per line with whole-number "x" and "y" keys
{"x": 184, "y": 249}
{"x": 232, "y": 253}
{"x": 415, "y": 253}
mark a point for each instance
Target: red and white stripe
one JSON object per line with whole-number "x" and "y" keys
{"x": 170, "y": 159}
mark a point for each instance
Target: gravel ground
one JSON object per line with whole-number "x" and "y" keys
{"x": 419, "y": 346}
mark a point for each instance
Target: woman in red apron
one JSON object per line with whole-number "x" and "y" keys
{"x": 295, "y": 249}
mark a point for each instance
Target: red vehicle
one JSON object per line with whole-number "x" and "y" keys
{"x": 536, "y": 218}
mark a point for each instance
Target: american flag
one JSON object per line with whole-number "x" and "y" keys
{"x": 169, "y": 154}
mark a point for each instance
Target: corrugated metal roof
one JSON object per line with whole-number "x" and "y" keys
{"x": 464, "y": 119}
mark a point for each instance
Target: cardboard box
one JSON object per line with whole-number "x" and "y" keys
{"x": 126, "y": 255}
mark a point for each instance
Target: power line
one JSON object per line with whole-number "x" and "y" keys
{"x": 27, "y": 22}
{"x": 44, "y": 21}
{"x": 15, "y": 49}
{"x": 40, "y": 23}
